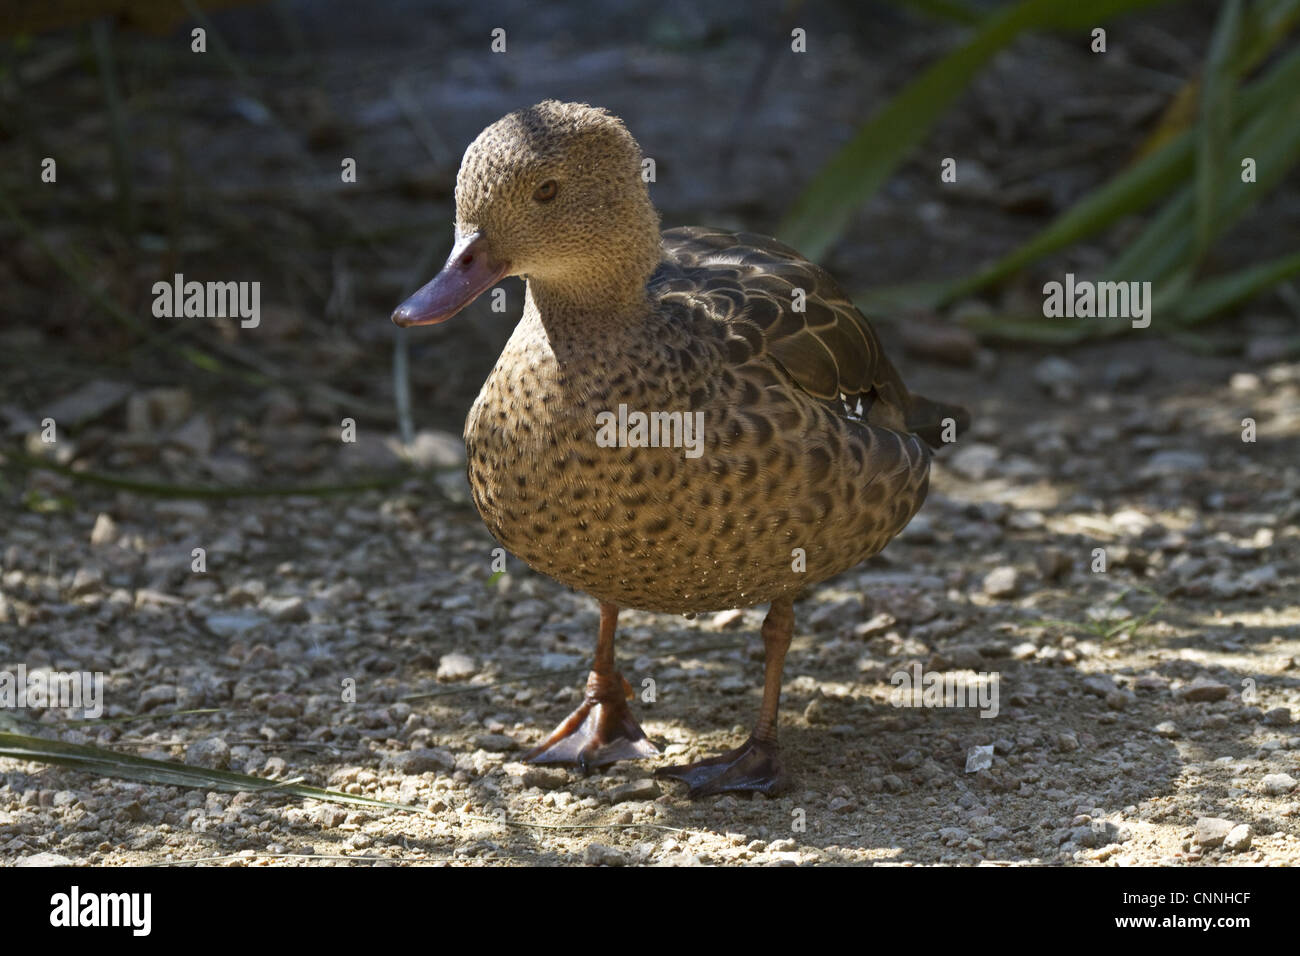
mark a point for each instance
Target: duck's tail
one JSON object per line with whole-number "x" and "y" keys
{"x": 937, "y": 423}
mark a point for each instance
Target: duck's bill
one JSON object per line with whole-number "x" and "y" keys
{"x": 470, "y": 271}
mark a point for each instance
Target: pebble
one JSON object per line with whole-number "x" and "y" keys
{"x": 1212, "y": 831}
{"x": 104, "y": 531}
{"x": 156, "y": 696}
{"x": 1278, "y": 717}
{"x": 422, "y": 760}
{"x": 728, "y": 618}
{"x": 545, "y": 779}
{"x": 495, "y": 743}
{"x": 210, "y": 752}
{"x": 644, "y": 788}
{"x": 45, "y": 860}
{"x": 974, "y": 461}
{"x": 285, "y": 609}
{"x": 1238, "y": 838}
{"x": 979, "y": 758}
{"x": 1052, "y": 563}
{"x": 597, "y": 854}
{"x": 1002, "y": 582}
{"x": 233, "y": 624}
{"x": 86, "y": 403}
{"x": 1167, "y": 729}
{"x": 436, "y": 449}
{"x": 1203, "y": 689}
{"x": 1175, "y": 464}
{"x": 1278, "y": 783}
{"x": 1058, "y": 377}
{"x": 456, "y": 666}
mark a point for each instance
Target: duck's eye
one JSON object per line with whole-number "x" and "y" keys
{"x": 546, "y": 191}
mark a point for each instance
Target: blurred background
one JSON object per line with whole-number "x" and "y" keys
{"x": 226, "y": 165}
{"x": 1110, "y": 156}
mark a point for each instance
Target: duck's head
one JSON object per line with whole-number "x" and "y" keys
{"x": 553, "y": 193}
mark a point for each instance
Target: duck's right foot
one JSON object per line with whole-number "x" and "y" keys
{"x": 600, "y": 732}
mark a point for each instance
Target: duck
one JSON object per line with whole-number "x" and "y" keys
{"x": 683, "y": 421}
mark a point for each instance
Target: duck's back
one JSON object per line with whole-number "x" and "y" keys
{"x": 808, "y": 459}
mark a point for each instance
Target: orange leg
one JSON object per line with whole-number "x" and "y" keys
{"x": 602, "y": 729}
{"x": 754, "y": 765}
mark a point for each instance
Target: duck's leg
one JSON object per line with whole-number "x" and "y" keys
{"x": 755, "y": 765}
{"x": 602, "y": 729}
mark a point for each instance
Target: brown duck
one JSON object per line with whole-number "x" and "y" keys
{"x": 682, "y": 422}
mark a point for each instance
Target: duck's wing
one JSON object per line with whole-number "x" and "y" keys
{"x": 780, "y": 307}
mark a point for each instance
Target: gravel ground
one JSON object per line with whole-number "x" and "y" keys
{"x": 1168, "y": 742}
{"x": 1145, "y": 711}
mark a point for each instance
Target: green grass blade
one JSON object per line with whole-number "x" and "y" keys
{"x": 1206, "y": 299}
{"x": 1217, "y": 87}
{"x": 110, "y": 763}
{"x": 1272, "y": 139}
{"x": 1128, "y": 192}
{"x": 853, "y": 175}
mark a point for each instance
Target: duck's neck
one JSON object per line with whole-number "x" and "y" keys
{"x": 580, "y": 314}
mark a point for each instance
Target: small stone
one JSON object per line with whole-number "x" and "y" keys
{"x": 233, "y": 624}
{"x": 643, "y": 789}
{"x": 1002, "y": 582}
{"x": 910, "y": 760}
{"x": 1278, "y": 783}
{"x": 283, "y": 705}
{"x": 328, "y": 815}
{"x": 1238, "y": 838}
{"x": 979, "y": 758}
{"x": 1067, "y": 742}
{"x": 1175, "y": 464}
{"x": 194, "y": 436}
{"x": 597, "y": 854}
{"x": 156, "y": 696}
{"x": 422, "y": 760}
{"x": 1120, "y": 699}
{"x": 86, "y": 403}
{"x": 105, "y": 530}
{"x": 435, "y": 449}
{"x": 1167, "y": 729}
{"x": 1202, "y": 689}
{"x": 728, "y": 618}
{"x": 817, "y": 711}
{"x": 841, "y": 805}
{"x": 974, "y": 461}
{"x": 1052, "y": 563}
{"x": 85, "y": 581}
{"x": 1212, "y": 831}
{"x": 456, "y": 666}
{"x": 1057, "y": 376}
{"x": 495, "y": 743}
{"x": 965, "y": 658}
{"x": 1278, "y": 717}
{"x": 285, "y": 609}
{"x": 210, "y": 752}
{"x": 45, "y": 860}
{"x": 544, "y": 779}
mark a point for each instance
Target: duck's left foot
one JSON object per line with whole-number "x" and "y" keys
{"x": 601, "y": 731}
{"x": 753, "y": 767}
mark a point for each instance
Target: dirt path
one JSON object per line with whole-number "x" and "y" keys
{"x": 1105, "y": 749}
